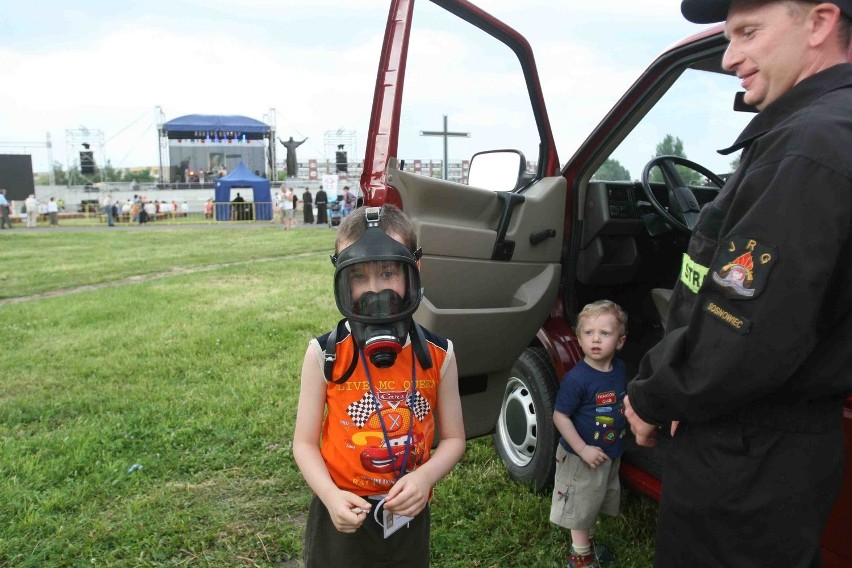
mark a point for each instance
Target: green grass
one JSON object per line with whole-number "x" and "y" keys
{"x": 42, "y": 261}
{"x": 185, "y": 359}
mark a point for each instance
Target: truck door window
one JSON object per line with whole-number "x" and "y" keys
{"x": 456, "y": 69}
{"x": 697, "y": 115}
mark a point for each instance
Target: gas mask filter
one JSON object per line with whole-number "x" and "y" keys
{"x": 377, "y": 288}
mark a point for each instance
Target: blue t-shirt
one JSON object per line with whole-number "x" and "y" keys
{"x": 595, "y": 402}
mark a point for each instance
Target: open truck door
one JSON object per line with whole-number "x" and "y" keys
{"x": 492, "y": 247}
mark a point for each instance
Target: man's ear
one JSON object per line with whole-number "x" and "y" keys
{"x": 823, "y": 19}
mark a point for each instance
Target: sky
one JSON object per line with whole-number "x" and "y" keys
{"x": 310, "y": 65}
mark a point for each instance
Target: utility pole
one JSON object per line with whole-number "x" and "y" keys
{"x": 271, "y": 118}
{"x": 50, "y": 174}
{"x": 446, "y": 134}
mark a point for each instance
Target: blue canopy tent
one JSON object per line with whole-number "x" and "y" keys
{"x": 187, "y": 126}
{"x": 242, "y": 177}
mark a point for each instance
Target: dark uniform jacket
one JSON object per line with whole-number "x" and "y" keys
{"x": 760, "y": 324}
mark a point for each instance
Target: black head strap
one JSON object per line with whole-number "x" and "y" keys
{"x": 331, "y": 357}
{"x": 418, "y": 342}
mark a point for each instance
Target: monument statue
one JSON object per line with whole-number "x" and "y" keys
{"x": 292, "y": 164}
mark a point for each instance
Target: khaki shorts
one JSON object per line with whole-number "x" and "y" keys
{"x": 580, "y": 493}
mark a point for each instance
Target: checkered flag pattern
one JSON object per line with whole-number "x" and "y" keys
{"x": 361, "y": 410}
{"x": 421, "y": 406}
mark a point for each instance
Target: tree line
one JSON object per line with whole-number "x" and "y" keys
{"x": 105, "y": 173}
{"x": 670, "y": 146}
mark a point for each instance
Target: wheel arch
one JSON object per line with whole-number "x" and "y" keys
{"x": 558, "y": 340}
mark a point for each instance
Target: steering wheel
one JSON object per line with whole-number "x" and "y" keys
{"x": 682, "y": 212}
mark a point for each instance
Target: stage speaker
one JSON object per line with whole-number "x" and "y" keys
{"x": 341, "y": 161}
{"x": 87, "y": 163}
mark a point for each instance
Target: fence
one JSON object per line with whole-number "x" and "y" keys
{"x": 214, "y": 213}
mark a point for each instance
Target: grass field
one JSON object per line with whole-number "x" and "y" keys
{"x": 148, "y": 389}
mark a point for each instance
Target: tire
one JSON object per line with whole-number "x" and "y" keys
{"x": 526, "y": 437}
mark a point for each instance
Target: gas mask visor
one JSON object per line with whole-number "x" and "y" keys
{"x": 377, "y": 288}
{"x": 376, "y": 280}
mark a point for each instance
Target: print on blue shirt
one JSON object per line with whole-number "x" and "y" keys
{"x": 594, "y": 401}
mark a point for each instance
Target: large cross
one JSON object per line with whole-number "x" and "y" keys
{"x": 446, "y": 135}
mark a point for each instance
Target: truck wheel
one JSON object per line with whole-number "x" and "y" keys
{"x": 526, "y": 437}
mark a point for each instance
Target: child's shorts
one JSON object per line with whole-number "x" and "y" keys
{"x": 326, "y": 547}
{"x": 580, "y": 493}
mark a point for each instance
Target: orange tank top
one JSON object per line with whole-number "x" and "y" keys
{"x": 353, "y": 443}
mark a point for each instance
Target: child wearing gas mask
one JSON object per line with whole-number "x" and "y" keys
{"x": 589, "y": 414}
{"x": 372, "y": 392}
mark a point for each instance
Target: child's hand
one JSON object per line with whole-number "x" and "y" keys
{"x": 347, "y": 511}
{"x": 409, "y": 495}
{"x": 593, "y": 455}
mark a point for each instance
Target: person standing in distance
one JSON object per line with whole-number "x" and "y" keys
{"x": 348, "y": 201}
{"x": 107, "y": 204}
{"x": 751, "y": 376}
{"x": 322, "y": 204}
{"x": 4, "y": 210}
{"x": 308, "y": 206}
{"x": 31, "y": 203}
{"x": 53, "y": 212}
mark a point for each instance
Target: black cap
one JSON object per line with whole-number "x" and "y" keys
{"x": 712, "y": 11}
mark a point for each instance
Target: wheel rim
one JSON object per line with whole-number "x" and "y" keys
{"x": 517, "y": 423}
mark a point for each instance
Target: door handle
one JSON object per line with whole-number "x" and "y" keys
{"x": 541, "y": 236}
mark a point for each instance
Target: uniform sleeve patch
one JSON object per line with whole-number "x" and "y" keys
{"x": 741, "y": 269}
{"x": 734, "y": 321}
{"x": 692, "y": 274}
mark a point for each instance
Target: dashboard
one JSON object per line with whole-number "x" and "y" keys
{"x": 624, "y": 239}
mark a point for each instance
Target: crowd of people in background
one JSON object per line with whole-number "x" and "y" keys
{"x": 316, "y": 209}
{"x": 30, "y": 211}
{"x": 286, "y": 204}
{"x": 141, "y": 210}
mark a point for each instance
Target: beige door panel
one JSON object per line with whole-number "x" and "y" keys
{"x": 543, "y": 209}
{"x": 453, "y": 219}
{"x": 450, "y": 218}
{"x": 505, "y": 305}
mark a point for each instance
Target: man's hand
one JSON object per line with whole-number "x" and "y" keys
{"x": 646, "y": 434}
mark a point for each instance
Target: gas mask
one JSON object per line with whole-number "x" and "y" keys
{"x": 377, "y": 288}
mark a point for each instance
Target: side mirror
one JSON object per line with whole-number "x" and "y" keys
{"x": 497, "y": 170}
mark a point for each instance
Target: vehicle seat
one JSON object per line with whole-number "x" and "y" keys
{"x": 661, "y": 298}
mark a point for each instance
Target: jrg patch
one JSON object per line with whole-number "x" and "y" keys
{"x": 742, "y": 267}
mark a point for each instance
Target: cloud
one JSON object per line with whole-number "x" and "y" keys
{"x": 314, "y": 63}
